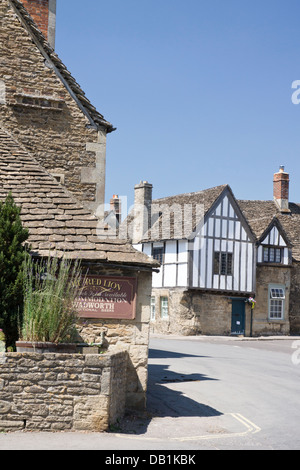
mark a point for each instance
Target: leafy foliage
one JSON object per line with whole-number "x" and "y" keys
{"x": 51, "y": 287}
{"x": 12, "y": 255}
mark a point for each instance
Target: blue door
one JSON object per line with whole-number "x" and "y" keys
{"x": 238, "y": 317}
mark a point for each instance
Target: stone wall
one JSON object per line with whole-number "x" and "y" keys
{"x": 294, "y": 299}
{"x": 129, "y": 335}
{"x": 266, "y": 275}
{"x": 61, "y": 392}
{"x": 41, "y": 114}
{"x": 192, "y": 313}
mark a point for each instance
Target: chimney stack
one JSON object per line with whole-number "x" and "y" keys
{"x": 142, "y": 210}
{"x": 281, "y": 189}
{"x": 43, "y": 12}
{"x": 115, "y": 206}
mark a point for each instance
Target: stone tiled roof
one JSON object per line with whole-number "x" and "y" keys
{"x": 258, "y": 214}
{"x": 58, "y": 224}
{"x": 261, "y": 213}
{"x": 186, "y": 211}
{"x": 59, "y": 68}
{"x": 189, "y": 209}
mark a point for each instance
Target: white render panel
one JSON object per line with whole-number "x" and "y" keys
{"x": 230, "y": 229}
{"x": 238, "y": 230}
{"x": 224, "y": 228}
{"x": 281, "y": 241}
{"x": 182, "y": 251}
{"x": 222, "y": 282}
{"x": 229, "y": 282}
{"x": 217, "y": 245}
{"x": 210, "y": 251}
{"x": 147, "y": 249}
{"x": 249, "y": 268}
{"x": 286, "y": 256}
{"x": 157, "y": 278}
{"x": 170, "y": 275}
{"x": 182, "y": 275}
{"x": 139, "y": 247}
{"x": 171, "y": 251}
{"x": 243, "y": 267}
{"x": 211, "y": 227}
{"x": 224, "y": 245}
{"x": 202, "y": 282}
{"x": 260, "y": 254}
{"x": 230, "y": 246}
{"x": 225, "y": 207}
{"x": 196, "y": 255}
{"x": 218, "y": 228}
{"x": 236, "y": 265}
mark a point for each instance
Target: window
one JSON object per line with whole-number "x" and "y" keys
{"x": 272, "y": 255}
{"x": 152, "y": 308}
{"x": 164, "y": 307}
{"x": 223, "y": 263}
{"x": 158, "y": 254}
{"x": 276, "y": 302}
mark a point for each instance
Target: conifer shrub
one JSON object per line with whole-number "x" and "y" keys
{"x": 12, "y": 255}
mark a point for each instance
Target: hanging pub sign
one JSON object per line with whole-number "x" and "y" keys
{"x": 108, "y": 297}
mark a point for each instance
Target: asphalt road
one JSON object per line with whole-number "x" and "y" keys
{"x": 204, "y": 393}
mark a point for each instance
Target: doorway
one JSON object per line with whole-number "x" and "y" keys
{"x": 238, "y": 317}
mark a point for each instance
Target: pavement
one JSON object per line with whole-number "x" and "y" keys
{"x": 150, "y": 430}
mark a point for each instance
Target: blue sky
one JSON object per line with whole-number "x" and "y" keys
{"x": 199, "y": 91}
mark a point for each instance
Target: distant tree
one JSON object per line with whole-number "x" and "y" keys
{"x": 12, "y": 255}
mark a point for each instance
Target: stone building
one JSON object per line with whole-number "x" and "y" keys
{"x": 61, "y": 226}
{"x": 43, "y": 106}
{"x": 216, "y": 254}
{"x": 52, "y": 159}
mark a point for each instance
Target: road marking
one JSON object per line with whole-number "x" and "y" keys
{"x": 251, "y": 426}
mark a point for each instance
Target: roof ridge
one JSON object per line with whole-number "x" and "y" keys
{"x": 193, "y": 192}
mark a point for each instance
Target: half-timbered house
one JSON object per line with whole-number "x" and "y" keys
{"x": 227, "y": 266}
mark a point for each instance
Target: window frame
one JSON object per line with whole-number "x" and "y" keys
{"x": 223, "y": 263}
{"x": 276, "y": 300}
{"x": 159, "y": 255}
{"x": 277, "y": 249}
{"x": 164, "y": 315}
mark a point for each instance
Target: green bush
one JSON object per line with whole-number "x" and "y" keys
{"x": 50, "y": 289}
{"x": 12, "y": 254}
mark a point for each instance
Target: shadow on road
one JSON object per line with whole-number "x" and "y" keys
{"x": 165, "y": 398}
{"x": 160, "y": 354}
